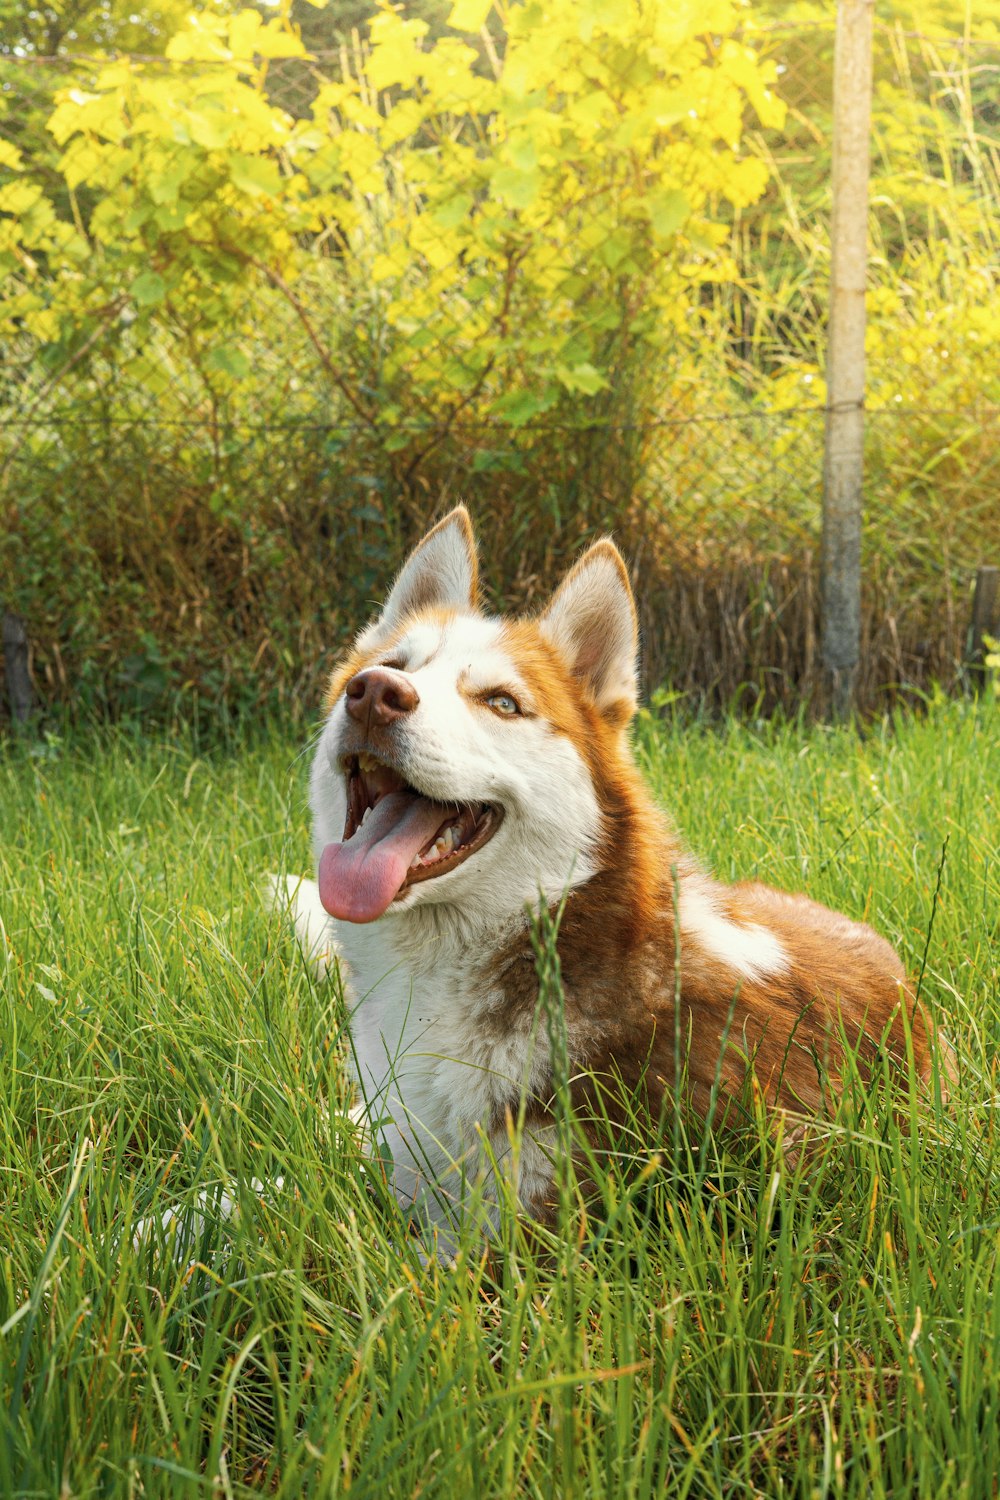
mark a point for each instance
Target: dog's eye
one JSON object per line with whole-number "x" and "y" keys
{"x": 502, "y": 703}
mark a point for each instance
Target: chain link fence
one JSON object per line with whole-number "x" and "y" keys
{"x": 191, "y": 520}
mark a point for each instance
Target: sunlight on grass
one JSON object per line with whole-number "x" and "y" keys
{"x": 720, "y": 1322}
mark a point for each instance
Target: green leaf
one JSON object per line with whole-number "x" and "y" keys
{"x": 150, "y": 373}
{"x": 582, "y": 378}
{"x": 230, "y": 361}
{"x": 256, "y": 175}
{"x": 523, "y": 152}
{"x": 498, "y": 461}
{"x": 521, "y": 407}
{"x": 136, "y": 217}
{"x": 453, "y": 211}
{"x": 667, "y": 212}
{"x": 171, "y": 216}
{"x": 615, "y": 249}
{"x": 519, "y": 189}
{"x": 211, "y": 128}
{"x": 148, "y": 289}
{"x": 165, "y": 187}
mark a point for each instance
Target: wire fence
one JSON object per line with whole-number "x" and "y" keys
{"x": 201, "y": 503}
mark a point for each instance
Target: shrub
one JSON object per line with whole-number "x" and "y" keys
{"x": 566, "y": 262}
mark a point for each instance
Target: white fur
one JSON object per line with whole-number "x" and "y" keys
{"x": 752, "y": 950}
{"x": 428, "y": 1077}
{"x": 457, "y": 751}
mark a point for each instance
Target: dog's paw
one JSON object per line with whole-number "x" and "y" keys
{"x": 198, "y": 1231}
{"x": 299, "y": 899}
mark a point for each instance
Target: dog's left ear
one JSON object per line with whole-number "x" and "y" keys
{"x": 441, "y": 570}
{"x": 591, "y": 620}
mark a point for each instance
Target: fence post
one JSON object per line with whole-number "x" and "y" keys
{"x": 843, "y": 466}
{"x": 15, "y": 661}
{"x": 984, "y": 622}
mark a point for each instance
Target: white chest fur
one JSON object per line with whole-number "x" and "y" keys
{"x": 431, "y": 1071}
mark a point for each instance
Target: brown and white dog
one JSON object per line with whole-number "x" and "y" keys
{"x": 470, "y": 767}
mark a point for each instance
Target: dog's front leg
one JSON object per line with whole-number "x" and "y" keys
{"x": 429, "y": 1187}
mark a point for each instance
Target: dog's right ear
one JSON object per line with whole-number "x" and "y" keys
{"x": 440, "y": 571}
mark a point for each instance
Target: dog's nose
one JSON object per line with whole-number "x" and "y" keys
{"x": 379, "y": 695}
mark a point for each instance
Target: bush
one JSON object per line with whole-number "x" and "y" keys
{"x": 273, "y": 312}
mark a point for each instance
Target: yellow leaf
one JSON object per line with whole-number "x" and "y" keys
{"x": 275, "y": 40}
{"x": 386, "y": 266}
{"x": 80, "y": 161}
{"x": 469, "y": 15}
{"x": 116, "y": 75}
{"x": 243, "y": 32}
{"x": 201, "y": 42}
{"x": 403, "y": 121}
{"x": 99, "y": 113}
{"x": 68, "y": 115}
{"x": 358, "y": 113}
{"x": 44, "y": 324}
{"x": 741, "y": 64}
{"x": 332, "y": 96}
{"x": 394, "y": 57}
{"x": 359, "y": 156}
{"x": 19, "y": 198}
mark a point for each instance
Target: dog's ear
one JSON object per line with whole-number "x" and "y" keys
{"x": 591, "y": 620}
{"x": 441, "y": 570}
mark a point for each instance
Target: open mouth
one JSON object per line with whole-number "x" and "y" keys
{"x": 394, "y": 837}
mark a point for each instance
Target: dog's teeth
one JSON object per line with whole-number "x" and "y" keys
{"x": 367, "y": 762}
{"x": 365, "y": 816}
{"x": 446, "y": 843}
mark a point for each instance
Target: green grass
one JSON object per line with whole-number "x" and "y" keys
{"x": 728, "y": 1326}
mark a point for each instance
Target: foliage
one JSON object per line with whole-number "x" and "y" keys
{"x": 571, "y": 263}
{"x": 934, "y": 225}
{"x": 733, "y": 1324}
{"x": 481, "y": 226}
{"x": 991, "y": 662}
{"x": 62, "y": 27}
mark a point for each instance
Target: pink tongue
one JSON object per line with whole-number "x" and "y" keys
{"x": 358, "y": 879}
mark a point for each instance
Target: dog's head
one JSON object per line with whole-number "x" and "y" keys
{"x": 467, "y": 759}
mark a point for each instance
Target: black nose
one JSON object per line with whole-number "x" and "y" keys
{"x": 379, "y": 695}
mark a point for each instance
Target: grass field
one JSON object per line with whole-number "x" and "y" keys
{"x": 727, "y": 1326}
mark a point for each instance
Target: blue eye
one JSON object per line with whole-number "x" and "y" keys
{"x": 502, "y": 703}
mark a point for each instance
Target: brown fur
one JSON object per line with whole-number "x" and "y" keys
{"x": 617, "y": 943}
